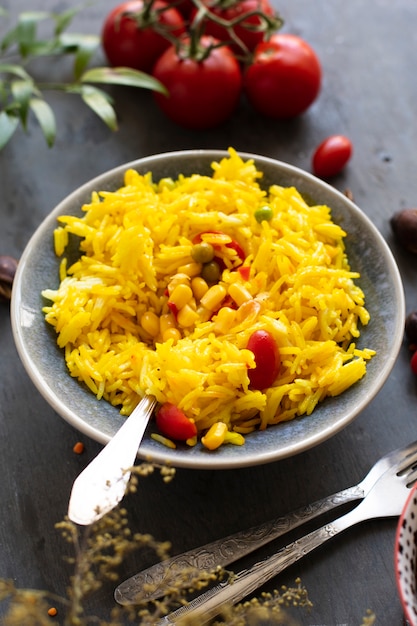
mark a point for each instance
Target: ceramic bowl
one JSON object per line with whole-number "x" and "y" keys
{"x": 367, "y": 251}
{"x": 405, "y": 555}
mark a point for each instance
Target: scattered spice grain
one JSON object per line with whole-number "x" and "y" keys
{"x": 78, "y": 448}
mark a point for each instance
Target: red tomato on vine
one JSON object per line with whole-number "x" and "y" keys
{"x": 284, "y": 78}
{"x": 204, "y": 82}
{"x": 135, "y": 33}
{"x": 253, "y": 20}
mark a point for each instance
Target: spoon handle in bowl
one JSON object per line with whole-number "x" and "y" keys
{"x": 102, "y": 484}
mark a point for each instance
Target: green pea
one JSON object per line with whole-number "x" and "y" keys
{"x": 264, "y": 213}
{"x": 202, "y": 252}
{"x": 211, "y": 272}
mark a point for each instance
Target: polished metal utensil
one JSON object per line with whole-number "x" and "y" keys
{"x": 385, "y": 499}
{"x": 152, "y": 583}
{"x": 102, "y": 484}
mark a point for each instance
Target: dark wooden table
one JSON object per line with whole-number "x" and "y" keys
{"x": 368, "y": 53}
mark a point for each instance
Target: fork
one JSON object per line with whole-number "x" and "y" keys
{"x": 385, "y": 499}
{"x": 152, "y": 582}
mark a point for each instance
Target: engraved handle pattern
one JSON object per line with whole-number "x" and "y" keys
{"x": 227, "y": 550}
{"x": 206, "y": 606}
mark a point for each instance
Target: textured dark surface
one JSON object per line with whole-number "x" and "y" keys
{"x": 369, "y": 93}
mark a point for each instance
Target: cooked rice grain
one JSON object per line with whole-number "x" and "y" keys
{"x": 301, "y": 289}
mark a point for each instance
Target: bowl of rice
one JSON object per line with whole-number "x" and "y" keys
{"x": 154, "y": 279}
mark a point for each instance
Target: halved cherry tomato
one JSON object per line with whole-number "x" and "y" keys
{"x": 133, "y": 33}
{"x": 331, "y": 156}
{"x": 284, "y": 78}
{"x": 267, "y": 359}
{"x": 173, "y": 423}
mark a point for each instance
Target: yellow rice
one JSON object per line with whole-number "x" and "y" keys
{"x": 136, "y": 239}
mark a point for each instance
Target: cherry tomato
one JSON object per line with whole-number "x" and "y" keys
{"x": 331, "y": 156}
{"x": 284, "y": 78}
{"x": 185, "y": 7}
{"x": 136, "y": 41}
{"x": 267, "y": 359}
{"x": 414, "y": 363}
{"x": 173, "y": 423}
{"x": 250, "y": 31}
{"x": 204, "y": 89}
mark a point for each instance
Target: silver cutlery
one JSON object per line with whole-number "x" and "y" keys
{"x": 102, "y": 484}
{"x": 152, "y": 583}
{"x": 385, "y": 499}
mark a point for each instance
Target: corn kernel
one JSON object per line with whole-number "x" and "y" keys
{"x": 166, "y": 321}
{"x": 178, "y": 279}
{"x": 224, "y": 320}
{"x": 213, "y": 297}
{"x": 191, "y": 269}
{"x": 150, "y": 323}
{"x": 199, "y": 287}
{"x": 215, "y": 436}
{"x": 171, "y": 333}
{"x": 234, "y": 438}
{"x": 203, "y": 314}
{"x": 181, "y": 295}
{"x": 239, "y": 293}
{"x": 187, "y": 316}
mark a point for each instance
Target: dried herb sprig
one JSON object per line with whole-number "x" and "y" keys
{"x": 98, "y": 552}
{"x": 21, "y": 94}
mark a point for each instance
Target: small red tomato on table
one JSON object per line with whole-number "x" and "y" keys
{"x": 284, "y": 77}
{"x": 331, "y": 156}
{"x": 135, "y": 33}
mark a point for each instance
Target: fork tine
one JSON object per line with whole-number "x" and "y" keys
{"x": 409, "y": 459}
{"x": 411, "y": 478}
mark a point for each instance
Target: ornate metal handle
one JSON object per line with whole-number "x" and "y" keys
{"x": 206, "y": 606}
{"x": 224, "y": 551}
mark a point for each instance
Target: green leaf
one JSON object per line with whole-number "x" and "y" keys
{"x": 84, "y": 47}
{"x": 8, "y": 124}
{"x": 26, "y": 31}
{"x": 17, "y": 70}
{"x": 4, "y": 92}
{"x": 45, "y": 117}
{"x": 100, "y": 103}
{"x": 63, "y": 20}
{"x": 9, "y": 39}
{"x": 22, "y": 91}
{"x": 122, "y": 76}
